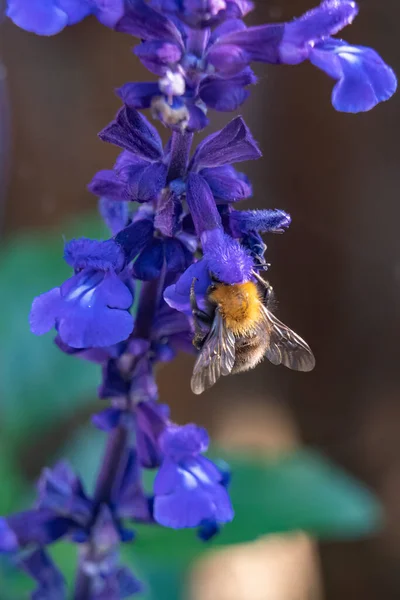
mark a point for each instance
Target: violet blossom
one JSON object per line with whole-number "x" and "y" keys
{"x": 173, "y": 223}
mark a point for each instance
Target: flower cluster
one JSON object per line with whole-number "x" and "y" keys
{"x": 174, "y": 229}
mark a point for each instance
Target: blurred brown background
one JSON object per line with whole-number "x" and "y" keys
{"x": 336, "y": 272}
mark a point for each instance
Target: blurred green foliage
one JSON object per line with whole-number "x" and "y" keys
{"x": 41, "y": 388}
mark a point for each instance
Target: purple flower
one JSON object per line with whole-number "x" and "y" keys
{"x": 48, "y": 17}
{"x": 231, "y": 250}
{"x": 223, "y": 256}
{"x": 209, "y": 528}
{"x": 188, "y": 487}
{"x": 51, "y": 584}
{"x": 99, "y": 559}
{"x": 91, "y": 309}
{"x": 172, "y": 217}
{"x": 152, "y": 419}
{"x": 204, "y": 13}
{"x": 156, "y": 251}
{"x": 364, "y": 79}
{"x": 226, "y": 259}
{"x": 229, "y": 257}
{"x": 239, "y": 223}
{"x": 234, "y": 143}
{"x": 189, "y": 81}
{"x": 118, "y": 585}
{"x": 140, "y": 172}
{"x": 114, "y": 213}
{"x": 171, "y": 331}
{"x": 8, "y": 539}
{"x": 227, "y": 184}
{"x": 210, "y": 171}
{"x": 64, "y": 509}
{"x": 214, "y": 71}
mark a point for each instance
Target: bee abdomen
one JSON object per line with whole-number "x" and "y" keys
{"x": 249, "y": 351}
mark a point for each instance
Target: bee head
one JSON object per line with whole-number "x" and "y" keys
{"x": 214, "y": 283}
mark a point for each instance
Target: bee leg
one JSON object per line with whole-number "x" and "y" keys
{"x": 199, "y": 317}
{"x": 200, "y": 314}
{"x": 268, "y": 292}
{"x": 268, "y": 295}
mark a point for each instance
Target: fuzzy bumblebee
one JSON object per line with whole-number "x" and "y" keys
{"x": 241, "y": 331}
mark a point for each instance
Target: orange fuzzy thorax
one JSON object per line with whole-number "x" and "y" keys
{"x": 239, "y": 305}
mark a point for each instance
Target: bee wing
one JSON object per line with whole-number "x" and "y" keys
{"x": 216, "y": 358}
{"x": 286, "y": 347}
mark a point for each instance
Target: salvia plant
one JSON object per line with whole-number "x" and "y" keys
{"x": 174, "y": 232}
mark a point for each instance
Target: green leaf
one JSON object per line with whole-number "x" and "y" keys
{"x": 300, "y": 491}
{"x": 13, "y": 487}
{"x": 160, "y": 581}
{"x": 65, "y": 556}
{"x": 14, "y": 583}
{"x": 38, "y": 383}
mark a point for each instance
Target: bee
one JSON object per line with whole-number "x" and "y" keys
{"x": 241, "y": 330}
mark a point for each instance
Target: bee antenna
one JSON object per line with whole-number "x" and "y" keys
{"x": 192, "y": 292}
{"x": 214, "y": 278}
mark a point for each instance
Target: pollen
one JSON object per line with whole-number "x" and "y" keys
{"x": 239, "y": 305}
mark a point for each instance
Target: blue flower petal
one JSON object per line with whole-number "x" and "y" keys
{"x": 260, "y": 43}
{"x": 234, "y": 143}
{"x": 118, "y": 584}
{"x": 108, "y": 419}
{"x": 177, "y": 256}
{"x": 108, "y": 12}
{"x": 8, "y": 539}
{"x": 268, "y": 220}
{"x": 227, "y": 184}
{"x": 364, "y": 79}
{"x": 146, "y": 183}
{"x": 226, "y": 258}
{"x": 139, "y": 95}
{"x": 188, "y": 487}
{"x": 39, "y": 527}
{"x": 89, "y": 310}
{"x": 178, "y": 295}
{"x": 61, "y": 491}
{"x": 197, "y": 118}
{"x": 158, "y": 56}
{"x": 227, "y": 59}
{"x": 324, "y": 20}
{"x": 134, "y": 238}
{"x": 114, "y": 213}
{"x": 150, "y": 261}
{"x": 51, "y": 583}
{"x": 107, "y": 184}
{"x": 48, "y": 17}
{"x": 180, "y": 443}
{"x": 85, "y": 253}
{"x": 201, "y": 204}
{"x": 168, "y": 214}
{"x": 143, "y": 21}
{"x": 43, "y": 17}
{"x": 224, "y": 95}
{"x": 133, "y": 132}
{"x": 152, "y": 418}
{"x": 75, "y": 9}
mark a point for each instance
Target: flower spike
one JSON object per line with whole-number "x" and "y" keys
{"x": 182, "y": 270}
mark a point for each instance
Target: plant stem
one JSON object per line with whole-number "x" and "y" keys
{"x": 82, "y": 585}
{"x": 113, "y": 466}
{"x": 111, "y": 471}
{"x": 116, "y": 452}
